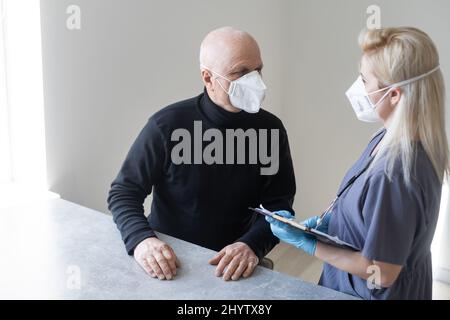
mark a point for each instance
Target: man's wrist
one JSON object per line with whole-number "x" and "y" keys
{"x": 248, "y": 245}
{"x": 137, "y": 239}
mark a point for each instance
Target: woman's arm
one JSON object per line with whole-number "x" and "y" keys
{"x": 349, "y": 261}
{"x": 354, "y": 263}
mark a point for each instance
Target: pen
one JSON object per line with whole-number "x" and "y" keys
{"x": 322, "y": 216}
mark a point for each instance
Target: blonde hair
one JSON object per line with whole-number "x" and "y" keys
{"x": 395, "y": 55}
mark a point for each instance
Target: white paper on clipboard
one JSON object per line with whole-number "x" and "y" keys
{"x": 320, "y": 236}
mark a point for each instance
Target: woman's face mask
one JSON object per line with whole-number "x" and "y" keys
{"x": 360, "y": 100}
{"x": 247, "y": 92}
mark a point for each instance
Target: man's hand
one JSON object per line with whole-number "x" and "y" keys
{"x": 156, "y": 258}
{"x": 238, "y": 260}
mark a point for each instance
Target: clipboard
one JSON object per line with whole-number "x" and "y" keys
{"x": 320, "y": 236}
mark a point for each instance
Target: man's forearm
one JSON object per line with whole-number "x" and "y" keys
{"x": 128, "y": 214}
{"x": 259, "y": 238}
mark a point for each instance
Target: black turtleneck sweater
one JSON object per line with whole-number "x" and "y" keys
{"x": 200, "y": 203}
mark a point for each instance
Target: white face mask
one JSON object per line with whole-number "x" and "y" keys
{"x": 362, "y": 105}
{"x": 246, "y": 93}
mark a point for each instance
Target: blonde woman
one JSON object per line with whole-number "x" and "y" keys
{"x": 388, "y": 202}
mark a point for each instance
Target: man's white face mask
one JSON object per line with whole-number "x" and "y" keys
{"x": 360, "y": 100}
{"x": 246, "y": 93}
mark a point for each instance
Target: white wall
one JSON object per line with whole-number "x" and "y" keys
{"x": 132, "y": 58}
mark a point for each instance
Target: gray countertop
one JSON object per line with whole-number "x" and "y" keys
{"x": 56, "y": 249}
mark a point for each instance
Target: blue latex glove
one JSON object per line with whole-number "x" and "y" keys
{"x": 323, "y": 227}
{"x": 295, "y": 236}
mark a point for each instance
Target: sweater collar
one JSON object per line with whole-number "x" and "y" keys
{"x": 221, "y": 117}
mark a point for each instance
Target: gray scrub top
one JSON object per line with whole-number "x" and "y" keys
{"x": 389, "y": 222}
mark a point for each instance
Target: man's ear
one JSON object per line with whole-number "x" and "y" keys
{"x": 396, "y": 95}
{"x": 207, "y": 80}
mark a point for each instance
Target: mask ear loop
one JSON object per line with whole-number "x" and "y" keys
{"x": 220, "y": 84}
{"x": 231, "y": 88}
{"x": 382, "y": 98}
{"x": 400, "y": 84}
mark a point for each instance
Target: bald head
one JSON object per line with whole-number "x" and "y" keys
{"x": 224, "y": 48}
{"x": 231, "y": 53}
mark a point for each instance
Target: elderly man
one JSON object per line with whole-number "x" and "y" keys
{"x": 200, "y": 200}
